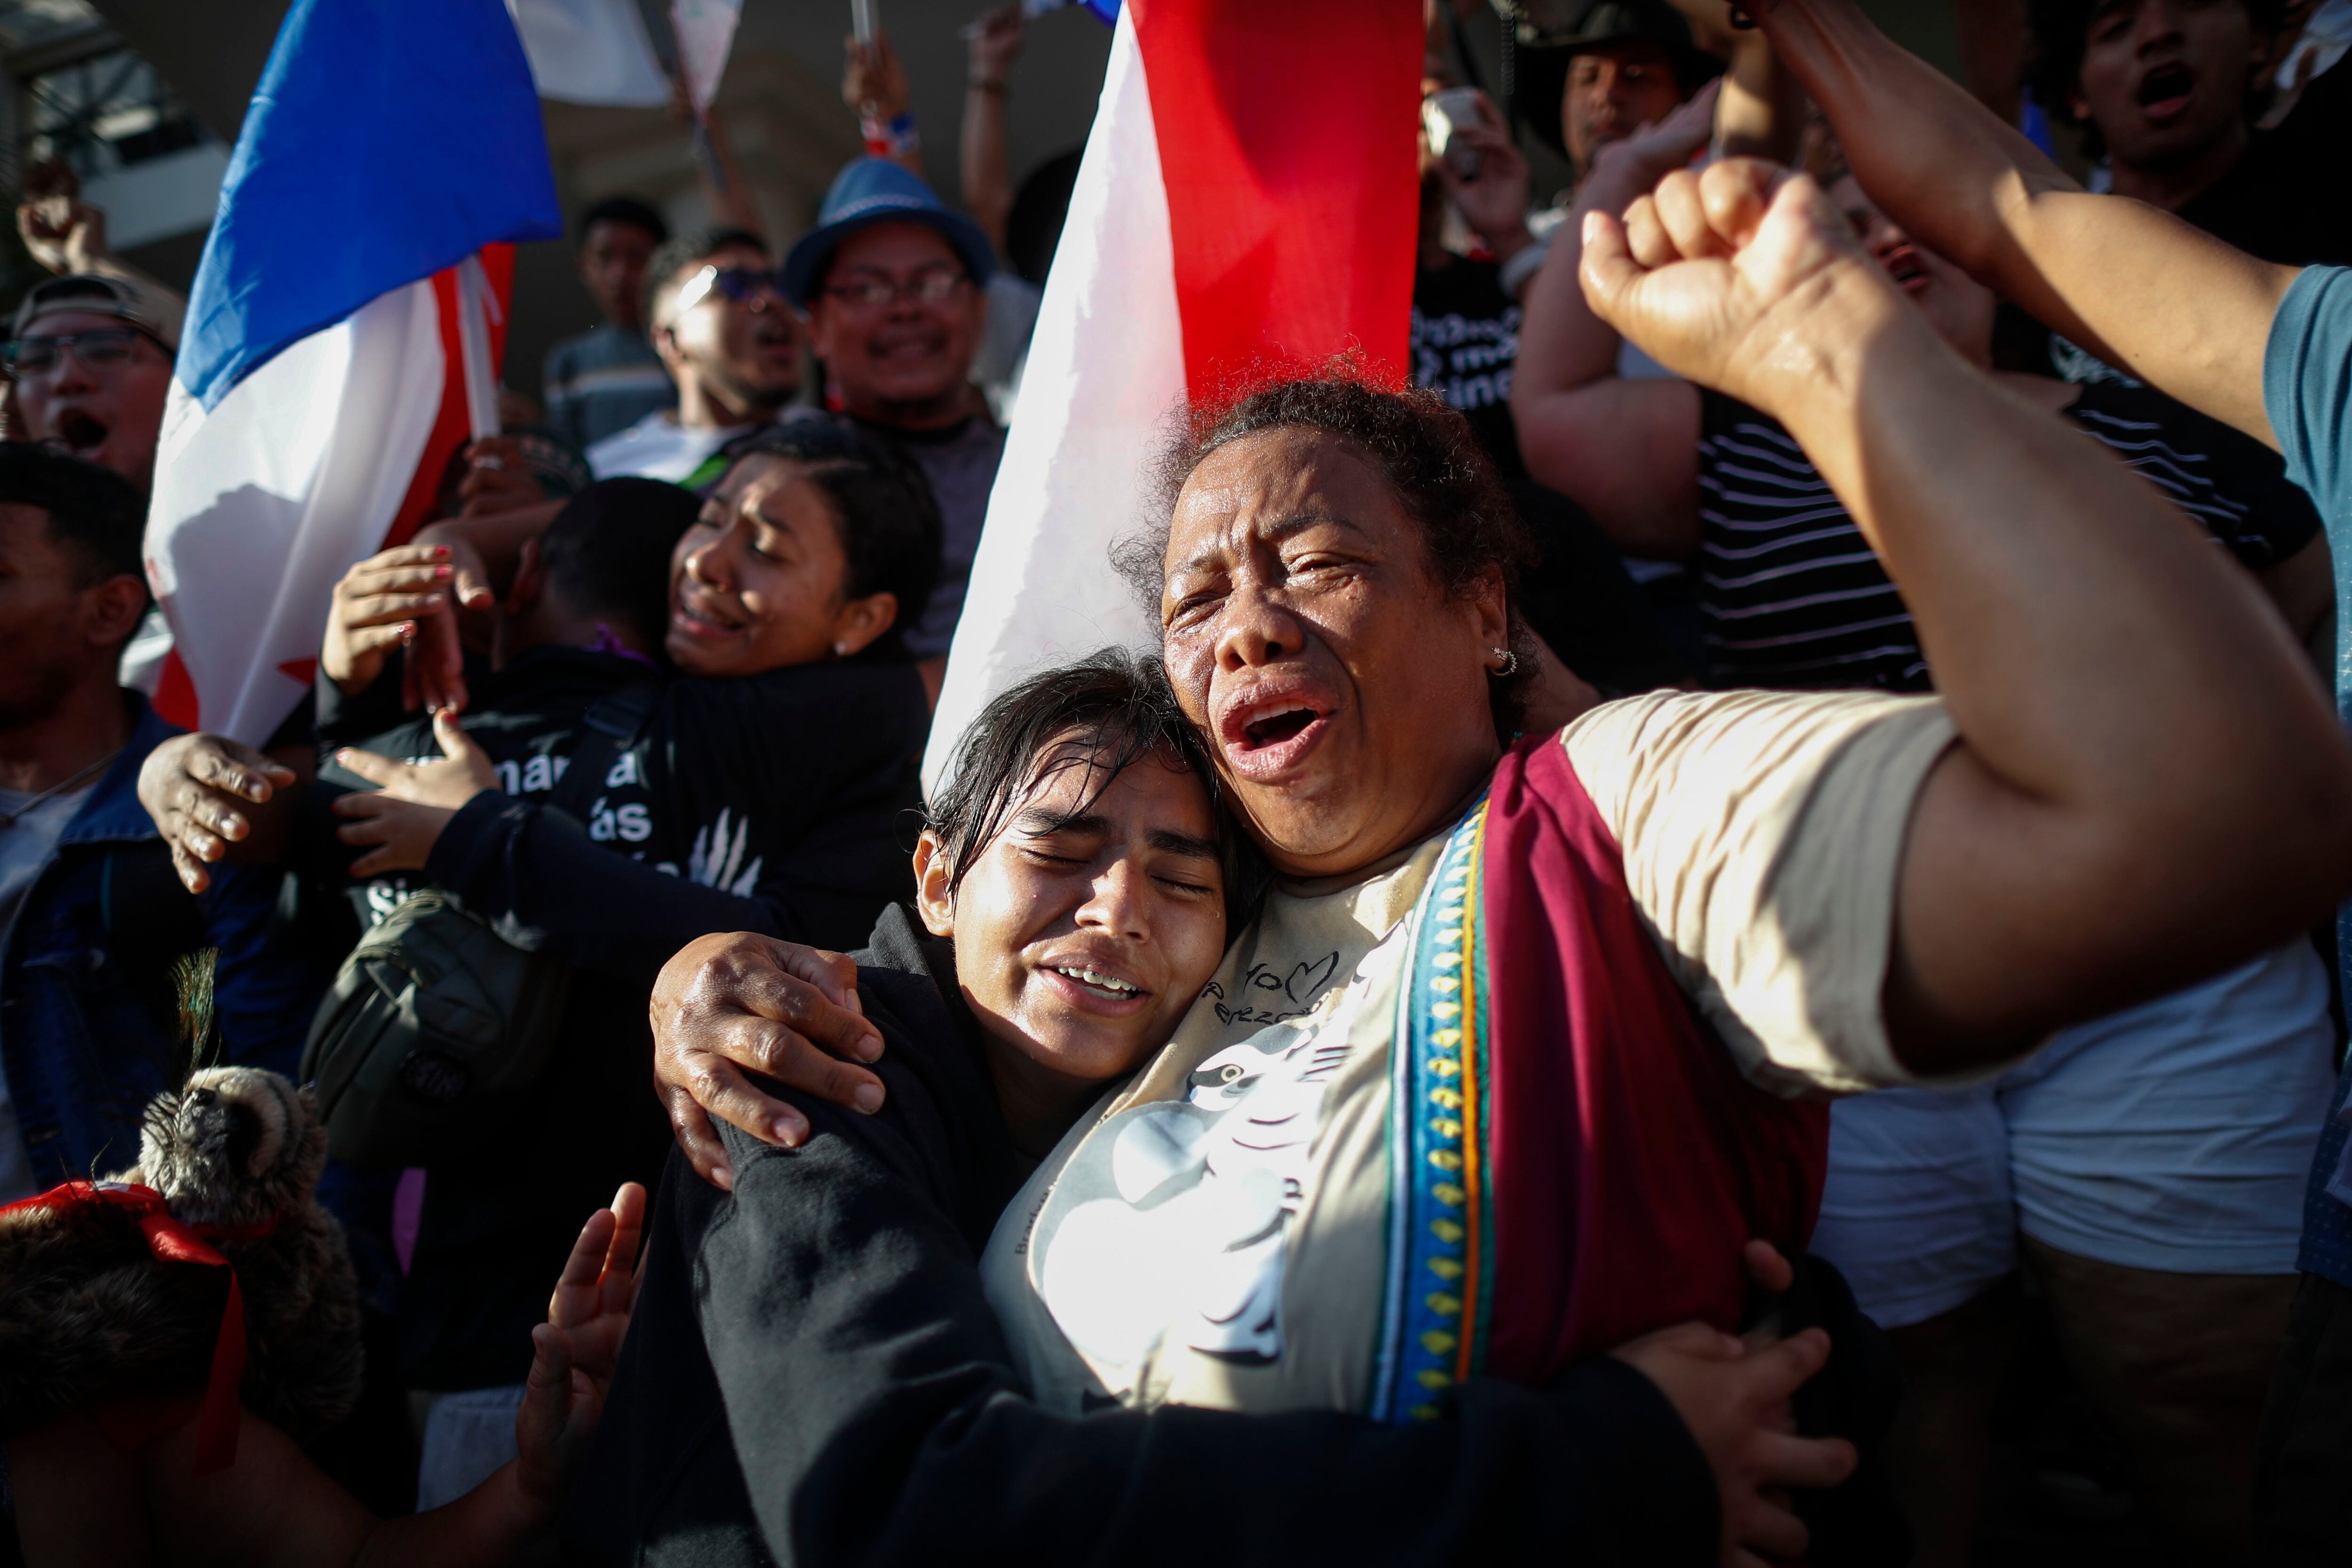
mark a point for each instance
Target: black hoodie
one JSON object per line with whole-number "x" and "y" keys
{"x": 779, "y": 803}
{"x": 814, "y": 1376}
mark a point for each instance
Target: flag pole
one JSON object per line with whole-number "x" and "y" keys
{"x": 476, "y": 304}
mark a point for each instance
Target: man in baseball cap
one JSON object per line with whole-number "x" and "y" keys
{"x": 90, "y": 356}
{"x": 1593, "y": 71}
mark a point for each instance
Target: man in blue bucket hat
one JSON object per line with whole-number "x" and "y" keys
{"x": 892, "y": 280}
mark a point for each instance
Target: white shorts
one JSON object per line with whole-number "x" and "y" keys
{"x": 2175, "y": 1135}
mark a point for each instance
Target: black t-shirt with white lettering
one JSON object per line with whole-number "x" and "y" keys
{"x": 1465, "y": 341}
{"x": 1793, "y": 597}
{"x": 781, "y": 802}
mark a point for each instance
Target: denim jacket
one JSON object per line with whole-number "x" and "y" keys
{"x": 88, "y": 1028}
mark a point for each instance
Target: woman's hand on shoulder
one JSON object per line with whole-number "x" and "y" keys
{"x": 1733, "y": 1395}
{"x": 737, "y": 1001}
{"x": 402, "y": 821}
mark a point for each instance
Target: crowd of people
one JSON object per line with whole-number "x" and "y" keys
{"x": 1773, "y": 816}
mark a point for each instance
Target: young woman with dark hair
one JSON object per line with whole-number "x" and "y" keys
{"x": 772, "y": 790}
{"x": 814, "y": 1373}
{"x": 784, "y": 608}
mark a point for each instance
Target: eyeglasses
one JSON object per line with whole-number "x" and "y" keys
{"x": 740, "y": 284}
{"x": 99, "y": 349}
{"x": 933, "y": 286}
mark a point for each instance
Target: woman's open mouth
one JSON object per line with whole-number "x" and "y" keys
{"x": 2164, "y": 92}
{"x": 1272, "y": 726}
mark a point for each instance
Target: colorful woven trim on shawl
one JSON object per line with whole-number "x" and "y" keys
{"x": 1441, "y": 1208}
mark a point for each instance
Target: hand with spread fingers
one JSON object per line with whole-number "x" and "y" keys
{"x": 433, "y": 675}
{"x": 575, "y": 1350}
{"x": 728, "y": 1003}
{"x": 377, "y": 607}
{"x": 202, "y": 792}
{"x": 414, "y": 801}
{"x": 1734, "y": 1397}
{"x": 1742, "y": 279}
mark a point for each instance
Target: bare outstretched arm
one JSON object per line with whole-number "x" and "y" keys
{"x": 1625, "y": 450}
{"x": 983, "y": 160}
{"x": 1761, "y": 113}
{"x": 2132, "y": 284}
{"x": 81, "y": 1500}
{"x": 2149, "y": 786}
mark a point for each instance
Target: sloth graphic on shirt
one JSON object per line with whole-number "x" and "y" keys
{"x": 1179, "y": 1216}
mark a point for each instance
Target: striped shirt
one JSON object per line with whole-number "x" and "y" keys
{"x": 602, "y": 381}
{"x": 1793, "y": 597}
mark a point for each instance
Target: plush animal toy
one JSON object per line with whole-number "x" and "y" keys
{"x": 123, "y": 1289}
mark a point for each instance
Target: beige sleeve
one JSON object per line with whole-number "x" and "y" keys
{"x": 1763, "y": 835}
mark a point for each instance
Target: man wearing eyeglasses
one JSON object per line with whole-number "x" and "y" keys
{"x": 90, "y": 356}
{"x": 716, "y": 316}
{"x": 892, "y": 280}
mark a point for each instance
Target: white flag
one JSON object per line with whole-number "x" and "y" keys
{"x": 590, "y": 51}
{"x": 1106, "y": 367}
{"x": 706, "y": 31}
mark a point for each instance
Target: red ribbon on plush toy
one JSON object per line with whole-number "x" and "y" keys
{"x": 173, "y": 1240}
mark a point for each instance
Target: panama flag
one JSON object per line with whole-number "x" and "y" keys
{"x": 343, "y": 332}
{"x": 1248, "y": 201}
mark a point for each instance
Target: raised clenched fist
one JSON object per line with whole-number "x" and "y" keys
{"x": 1741, "y": 278}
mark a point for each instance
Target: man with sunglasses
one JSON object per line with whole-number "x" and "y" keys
{"x": 893, "y": 281}
{"x": 717, "y": 315}
{"x": 90, "y": 357}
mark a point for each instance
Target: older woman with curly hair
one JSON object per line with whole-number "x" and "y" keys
{"x": 1530, "y": 1033}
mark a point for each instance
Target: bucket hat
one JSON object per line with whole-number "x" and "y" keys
{"x": 872, "y": 191}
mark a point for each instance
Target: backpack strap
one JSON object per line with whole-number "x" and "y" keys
{"x": 609, "y": 728}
